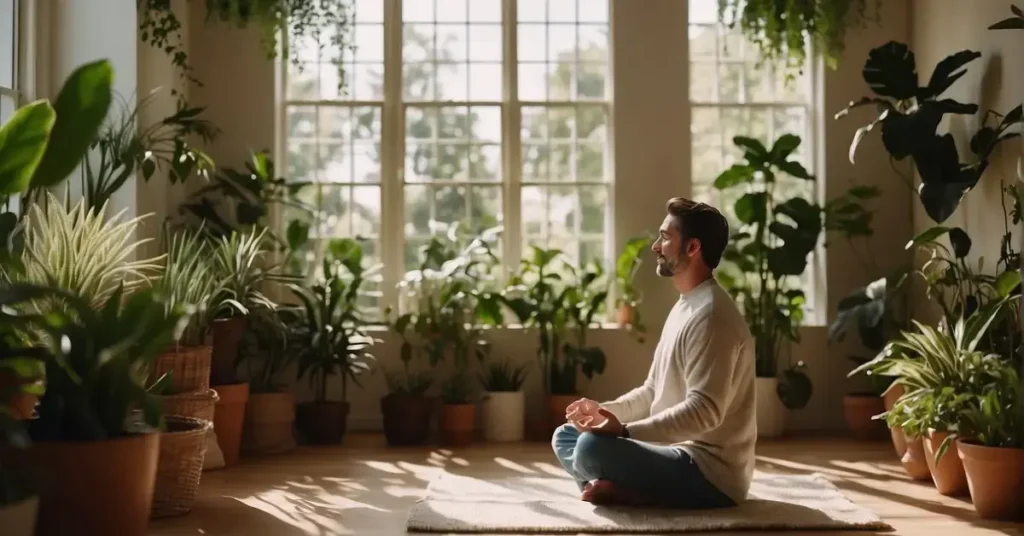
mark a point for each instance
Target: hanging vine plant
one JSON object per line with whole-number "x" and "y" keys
{"x": 328, "y": 23}
{"x": 784, "y": 31}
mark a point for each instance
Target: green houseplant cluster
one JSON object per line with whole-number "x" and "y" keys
{"x": 952, "y": 386}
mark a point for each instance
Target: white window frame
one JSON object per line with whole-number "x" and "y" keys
{"x": 393, "y": 137}
{"x": 813, "y": 146}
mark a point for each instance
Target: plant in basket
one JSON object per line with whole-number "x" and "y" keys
{"x": 330, "y": 339}
{"x": 265, "y": 354}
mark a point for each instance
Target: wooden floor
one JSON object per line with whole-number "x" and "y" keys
{"x": 365, "y": 488}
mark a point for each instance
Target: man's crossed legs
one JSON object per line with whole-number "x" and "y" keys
{"x": 611, "y": 469}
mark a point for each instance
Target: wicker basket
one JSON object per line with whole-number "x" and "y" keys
{"x": 182, "y": 451}
{"x": 197, "y": 405}
{"x": 190, "y": 368}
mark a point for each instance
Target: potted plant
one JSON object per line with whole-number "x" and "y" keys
{"x": 265, "y": 352}
{"x": 628, "y": 299}
{"x": 763, "y": 261}
{"x": 503, "y": 403}
{"x": 991, "y": 444}
{"x": 238, "y": 260}
{"x": 940, "y": 370}
{"x": 96, "y": 439}
{"x": 330, "y": 338}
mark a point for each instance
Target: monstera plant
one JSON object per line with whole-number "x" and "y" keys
{"x": 910, "y": 114}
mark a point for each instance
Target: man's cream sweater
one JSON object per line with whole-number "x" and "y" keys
{"x": 699, "y": 394}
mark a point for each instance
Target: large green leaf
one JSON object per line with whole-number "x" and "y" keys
{"x": 783, "y": 147}
{"x": 736, "y": 174}
{"x": 960, "y": 241}
{"x": 81, "y": 107}
{"x": 948, "y": 71}
{"x": 927, "y": 236}
{"x": 1007, "y": 282}
{"x": 22, "y": 145}
{"x": 752, "y": 208}
{"x": 891, "y": 71}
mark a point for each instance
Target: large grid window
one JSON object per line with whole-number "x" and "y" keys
{"x": 10, "y": 97}
{"x": 475, "y": 112}
{"x": 732, "y": 95}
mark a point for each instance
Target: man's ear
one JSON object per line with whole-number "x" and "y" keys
{"x": 693, "y": 247}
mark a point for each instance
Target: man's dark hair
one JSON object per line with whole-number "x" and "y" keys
{"x": 703, "y": 222}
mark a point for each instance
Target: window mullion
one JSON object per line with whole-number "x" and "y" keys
{"x": 392, "y": 238}
{"x": 511, "y": 146}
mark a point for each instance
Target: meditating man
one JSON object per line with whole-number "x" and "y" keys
{"x": 685, "y": 438}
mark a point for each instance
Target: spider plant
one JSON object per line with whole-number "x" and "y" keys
{"x": 82, "y": 252}
{"x": 238, "y": 260}
{"x": 942, "y": 372}
{"x": 188, "y": 279}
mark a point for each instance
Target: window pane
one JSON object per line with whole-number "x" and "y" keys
{"x": 369, "y": 11}
{"x": 485, "y": 42}
{"x": 532, "y": 42}
{"x": 418, "y": 11}
{"x": 8, "y": 48}
{"x": 703, "y": 41}
{"x": 451, "y": 10}
{"x": 593, "y": 10}
{"x": 702, "y": 82}
{"x": 452, "y": 42}
{"x": 485, "y": 11}
{"x": 532, "y": 10}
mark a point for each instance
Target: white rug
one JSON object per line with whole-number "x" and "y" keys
{"x": 530, "y": 505}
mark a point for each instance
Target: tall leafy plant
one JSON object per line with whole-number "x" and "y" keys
{"x": 585, "y": 301}
{"x": 910, "y": 114}
{"x": 330, "y": 337}
{"x": 770, "y": 250}
{"x": 626, "y": 267}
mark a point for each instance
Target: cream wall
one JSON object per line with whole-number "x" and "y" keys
{"x": 651, "y": 162}
{"x": 995, "y": 81}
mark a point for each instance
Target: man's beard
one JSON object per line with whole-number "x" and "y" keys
{"x": 668, "y": 267}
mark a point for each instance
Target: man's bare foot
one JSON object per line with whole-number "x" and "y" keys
{"x": 604, "y": 492}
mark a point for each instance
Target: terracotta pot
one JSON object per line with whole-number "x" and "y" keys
{"x": 229, "y": 419}
{"x": 406, "y": 419}
{"x": 948, "y": 473}
{"x": 189, "y": 367}
{"x": 19, "y": 519}
{"x": 995, "y": 477}
{"x": 323, "y": 423}
{"x": 227, "y": 334}
{"x": 457, "y": 424}
{"x": 858, "y": 409}
{"x": 22, "y": 405}
{"x": 624, "y": 315}
{"x": 269, "y": 423}
{"x": 913, "y": 458}
{"x": 556, "y": 411}
{"x": 96, "y": 487}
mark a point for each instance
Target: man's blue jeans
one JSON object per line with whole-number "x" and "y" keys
{"x": 665, "y": 475}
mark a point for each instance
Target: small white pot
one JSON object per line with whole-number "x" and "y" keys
{"x": 770, "y": 411}
{"x": 19, "y": 519}
{"x": 503, "y": 415}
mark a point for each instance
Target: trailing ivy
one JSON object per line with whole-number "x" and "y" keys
{"x": 785, "y": 31}
{"x": 324, "y": 22}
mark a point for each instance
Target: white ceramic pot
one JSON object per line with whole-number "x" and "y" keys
{"x": 503, "y": 415}
{"x": 770, "y": 411}
{"x": 19, "y": 519}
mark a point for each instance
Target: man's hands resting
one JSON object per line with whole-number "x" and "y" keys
{"x": 588, "y": 416}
